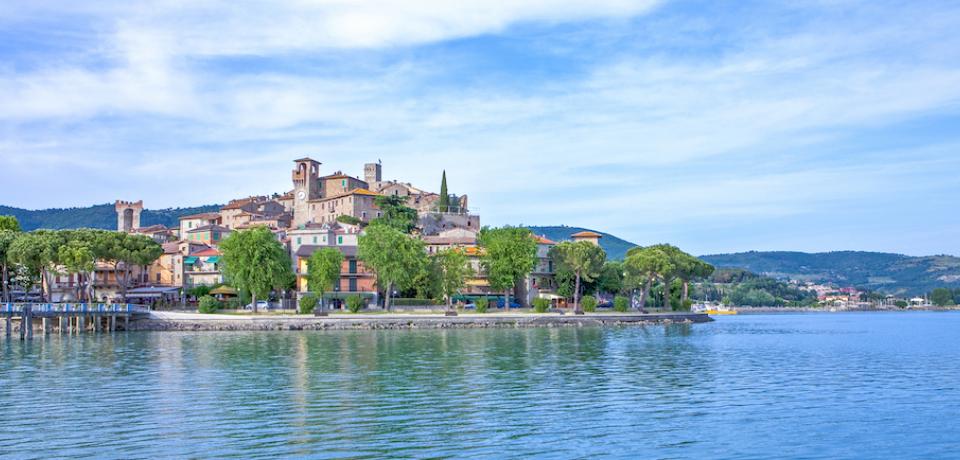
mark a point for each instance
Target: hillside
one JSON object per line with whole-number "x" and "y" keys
{"x": 882, "y": 272}
{"x": 616, "y": 248}
{"x": 99, "y": 216}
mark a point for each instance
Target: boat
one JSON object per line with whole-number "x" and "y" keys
{"x": 721, "y": 311}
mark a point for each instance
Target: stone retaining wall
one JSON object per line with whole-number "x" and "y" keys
{"x": 410, "y": 322}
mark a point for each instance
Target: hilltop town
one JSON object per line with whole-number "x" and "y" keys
{"x": 319, "y": 211}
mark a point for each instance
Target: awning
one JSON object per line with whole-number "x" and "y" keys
{"x": 213, "y": 260}
{"x": 224, "y": 290}
{"x": 190, "y": 260}
{"x": 549, "y": 296}
{"x": 478, "y": 283}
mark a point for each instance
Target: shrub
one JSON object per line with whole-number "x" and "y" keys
{"x": 199, "y": 291}
{"x": 415, "y": 302}
{"x": 902, "y": 304}
{"x": 541, "y": 305}
{"x": 621, "y": 304}
{"x": 208, "y": 305}
{"x": 589, "y": 304}
{"x": 482, "y": 304}
{"x": 308, "y": 303}
{"x": 354, "y": 303}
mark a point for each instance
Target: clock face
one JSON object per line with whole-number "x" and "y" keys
{"x": 302, "y": 194}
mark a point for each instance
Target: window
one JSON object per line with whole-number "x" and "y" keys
{"x": 353, "y": 284}
{"x": 339, "y": 240}
{"x": 314, "y": 240}
{"x": 298, "y": 241}
{"x": 353, "y": 266}
{"x": 343, "y": 183}
{"x": 158, "y": 277}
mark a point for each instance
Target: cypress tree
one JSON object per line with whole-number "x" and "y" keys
{"x": 444, "y": 205}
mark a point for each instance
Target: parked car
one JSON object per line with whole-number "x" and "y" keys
{"x": 513, "y": 304}
{"x": 261, "y": 305}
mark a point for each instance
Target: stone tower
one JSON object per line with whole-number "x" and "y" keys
{"x": 373, "y": 175}
{"x": 128, "y": 215}
{"x": 306, "y": 187}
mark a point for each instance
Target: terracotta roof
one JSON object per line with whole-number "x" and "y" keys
{"x": 586, "y": 234}
{"x": 209, "y": 228}
{"x": 204, "y": 215}
{"x": 543, "y": 240}
{"x": 357, "y": 191}
{"x": 206, "y": 252}
{"x": 451, "y": 240}
{"x": 308, "y": 249}
{"x": 171, "y": 248}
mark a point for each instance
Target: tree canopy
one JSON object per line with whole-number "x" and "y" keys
{"x": 584, "y": 259}
{"x": 509, "y": 254}
{"x": 323, "y": 270}
{"x": 395, "y": 213}
{"x": 255, "y": 262}
{"x": 395, "y": 257}
{"x": 453, "y": 271}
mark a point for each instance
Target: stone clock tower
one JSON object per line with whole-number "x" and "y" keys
{"x": 306, "y": 187}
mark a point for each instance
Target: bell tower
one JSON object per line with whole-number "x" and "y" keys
{"x": 306, "y": 187}
{"x": 373, "y": 175}
{"x": 128, "y": 215}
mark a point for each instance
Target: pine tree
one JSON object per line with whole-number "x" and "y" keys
{"x": 444, "y": 205}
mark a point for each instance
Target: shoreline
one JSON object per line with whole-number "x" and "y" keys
{"x": 169, "y": 321}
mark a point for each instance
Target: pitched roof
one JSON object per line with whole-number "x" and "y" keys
{"x": 209, "y": 228}
{"x": 543, "y": 240}
{"x": 203, "y": 215}
{"x": 206, "y": 252}
{"x": 586, "y": 234}
{"x": 451, "y": 240}
{"x": 356, "y": 191}
{"x": 308, "y": 249}
{"x": 171, "y": 248}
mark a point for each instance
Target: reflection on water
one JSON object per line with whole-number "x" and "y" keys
{"x": 814, "y": 386}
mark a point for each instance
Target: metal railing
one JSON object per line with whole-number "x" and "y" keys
{"x": 83, "y": 308}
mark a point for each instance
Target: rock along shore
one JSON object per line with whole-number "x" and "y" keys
{"x": 164, "y": 321}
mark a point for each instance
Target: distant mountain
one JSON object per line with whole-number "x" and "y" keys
{"x": 882, "y": 272}
{"x": 100, "y": 216}
{"x": 616, "y": 248}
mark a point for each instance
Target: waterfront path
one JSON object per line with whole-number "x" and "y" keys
{"x": 201, "y": 322}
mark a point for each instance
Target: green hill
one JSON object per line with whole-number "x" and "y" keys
{"x": 616, "y": 248}
{"x": 882, "y": 272}
{"x": 100, "y": 216}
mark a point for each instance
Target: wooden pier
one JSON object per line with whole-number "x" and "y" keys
{"x": 66, "y": 318}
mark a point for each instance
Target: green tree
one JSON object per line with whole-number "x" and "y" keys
{"x": 941, "y": 297}
{"x": 323, "y": 271}
{"x": 7, "y": 238}
{"x": 584, "y": 259}
{"x": 208, "y": 304}
{"x": 444, "y": 204}
{"x": 38, "y": 251}
{"x": 127, "y": 251}
{"x": 395, "y": 257}
{"x": 509, "y": 255}
{"x": 453, "y": 271}
{"x": 77, "y": 258}
{"x": 395, "y": 213}
{"x": 611, "y": 277}
{"x": 642, "y": 266}
{"x": 254, "y": 261}
{"x": 10, "y": 223}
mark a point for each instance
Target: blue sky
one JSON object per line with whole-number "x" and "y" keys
{"x": 718, "y": 126}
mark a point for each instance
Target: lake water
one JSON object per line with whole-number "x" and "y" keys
{"x": 778, "y": 386}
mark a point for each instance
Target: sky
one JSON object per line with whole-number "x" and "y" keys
{"x": 718, "y": 126}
